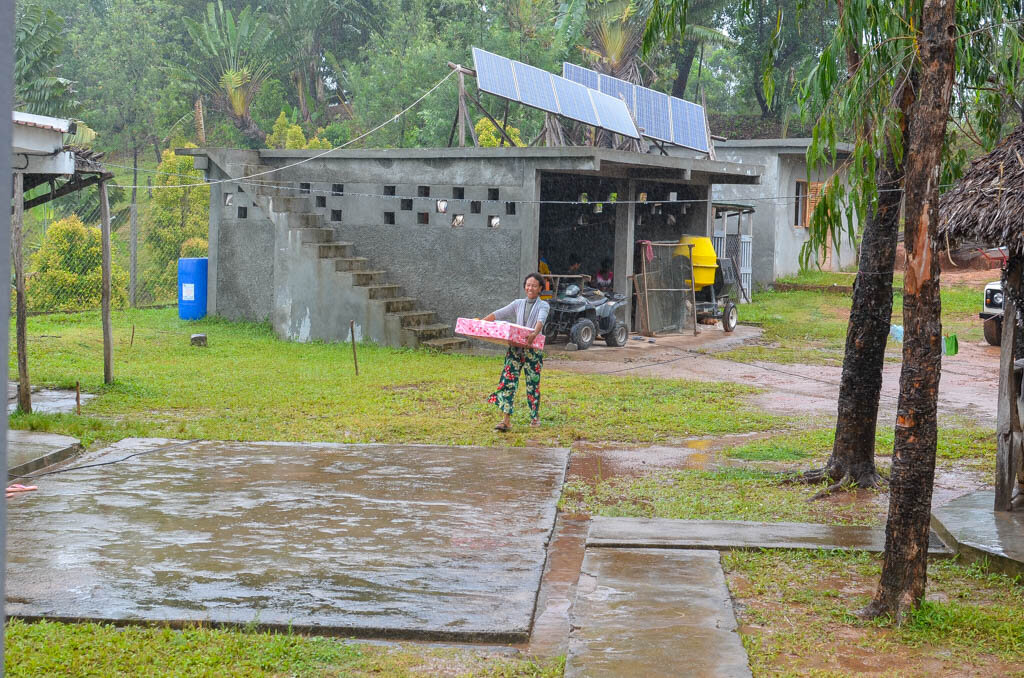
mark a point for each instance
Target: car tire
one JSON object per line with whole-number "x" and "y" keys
{"x": 993, "y": 328}
{"x": 618, "y": 336}
{"x": 582, "y": 333}
{"x": 729, "y": 317}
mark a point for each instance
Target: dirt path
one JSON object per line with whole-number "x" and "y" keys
{"x": 968, "y": 386}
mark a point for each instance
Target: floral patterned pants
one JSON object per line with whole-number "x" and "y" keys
{"x": 528, "y": 360}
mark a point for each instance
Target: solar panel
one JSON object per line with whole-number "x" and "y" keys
{"x": 535, "y": 87}
{"x": 613, "y": 114}
{"x": 579, "y": 74}
{"x": 494, "y": 74}
{"x": 659, "y": 115}
{"x": 574, "y": 101}
{"x": 521, "y": 82}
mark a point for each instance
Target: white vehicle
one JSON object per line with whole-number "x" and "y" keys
{"x": 993, "y": 313}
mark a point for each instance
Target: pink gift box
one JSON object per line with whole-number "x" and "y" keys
{"x": 497, "y": 331}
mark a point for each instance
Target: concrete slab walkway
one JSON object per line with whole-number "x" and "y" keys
{"x": 406, "y": 541}
{"x": 739, "y": 534}
{"x": 29, "y": 451}
{"x": 977, "y": 532}
{"x": 654, "y": 612}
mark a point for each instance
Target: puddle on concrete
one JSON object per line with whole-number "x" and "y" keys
{"x": 45, "y": 400}
{"x": 433, "y": 541}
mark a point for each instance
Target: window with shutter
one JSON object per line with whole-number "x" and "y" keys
{"x": 800, "y": 211}
{"x": 812, "y": 200}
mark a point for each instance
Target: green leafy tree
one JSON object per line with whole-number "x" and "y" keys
{"x": 39, "y": 43}
{"x": 177, "y": 214}
{"x": 67, "y": 270}
{"x": 295, "y": 138}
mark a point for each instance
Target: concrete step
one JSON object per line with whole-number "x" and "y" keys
{"x": 366, "y": 278}
{"x": 331, "y": 250}
{"x": 399, "y": 304}
{"x": 349, "y": 264}
{"x": 446, "y": 344}
{"x": 292, "y": 203}
{"x": 305, "y": 219}
{"x": 414, "y": 318}
{"x": 315, "y": 235}
{"x": 383, "y": 291}
{"x": 427, "y": 332}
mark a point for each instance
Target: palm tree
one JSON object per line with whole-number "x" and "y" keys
{"x": 231, "y": 61}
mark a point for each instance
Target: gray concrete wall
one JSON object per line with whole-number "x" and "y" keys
{"x": 241, "y": 257}
{"x": 385, "y": 202}
{"x": 768, "y": 214}
{"x": 776, "y": 239}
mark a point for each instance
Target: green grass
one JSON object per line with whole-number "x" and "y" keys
{"x": 248, "y": 385}
{"x": 810, "y": 326}
{"x": 56, "y": 649}
{"x": 972, "y": 445}
{"x": 721, "y": 494}
{"x": 798, "y": 616}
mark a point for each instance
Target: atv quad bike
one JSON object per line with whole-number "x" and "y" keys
{"x": 585, "y": 314}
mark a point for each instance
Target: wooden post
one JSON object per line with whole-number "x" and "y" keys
{"x": 78, "y": 398}
{"x": 17, "y": 219}
{"x": 1008, "y": 425}
{"x": 133, "y": 249}
{"x": 108, "y": 339}
{"x": 462, "y": 109}
{"x": 352, "y": 331}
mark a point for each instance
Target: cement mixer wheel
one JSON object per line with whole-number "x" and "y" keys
{"x": 729, "y": 317}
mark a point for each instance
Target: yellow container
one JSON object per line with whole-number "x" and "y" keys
{"x": 705, "y": 261}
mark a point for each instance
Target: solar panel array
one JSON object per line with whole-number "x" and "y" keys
{"x": 534, "y": 87}
{"x": 659, "y": 116}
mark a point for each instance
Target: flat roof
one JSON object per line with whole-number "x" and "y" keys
{"x": 795, "y": 144}
{"x": 604, "y": 161}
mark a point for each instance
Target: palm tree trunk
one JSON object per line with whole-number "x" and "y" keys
{"x": 684, "y": 63}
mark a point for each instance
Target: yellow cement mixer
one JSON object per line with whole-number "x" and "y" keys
{"x": 708, "y": 281}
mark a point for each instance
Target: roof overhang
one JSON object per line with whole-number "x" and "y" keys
{"x": 587, "y": 160}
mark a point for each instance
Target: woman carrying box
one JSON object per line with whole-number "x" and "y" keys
{"x": 531, "y": 311}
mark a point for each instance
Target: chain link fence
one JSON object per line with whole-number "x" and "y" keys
{"x": 62, "y": 247}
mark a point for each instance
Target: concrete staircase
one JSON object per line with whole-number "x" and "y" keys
{"x": 391, "y": 317}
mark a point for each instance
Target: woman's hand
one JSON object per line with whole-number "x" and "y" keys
{"x": 531, "y": 337}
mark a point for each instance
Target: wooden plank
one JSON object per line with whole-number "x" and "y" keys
{"x": 1008, "y": 421}
{"x": 17, "y": 255}
{"x": 108, "y": 339}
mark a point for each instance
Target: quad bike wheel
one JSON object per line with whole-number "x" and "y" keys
{"x": 729, "y": 317}
{"x": 550, "y": 333}
{"x": 582, "y": 333}
{"x": 993, "y": 328}
{"x": 618, "y": 335}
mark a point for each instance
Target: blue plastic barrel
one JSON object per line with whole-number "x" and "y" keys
{"x": 192, "y": 288}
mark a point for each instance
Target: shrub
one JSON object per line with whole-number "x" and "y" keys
{"x": 67, "y": 270}
{"x": 279, "y": 135}
{"x": 336, "y": 133}
{"x": 194, "y": 247}
{"x": 176, "y": 215}
{"x": 488, "y": 135}
{"x": 267, "y": 103}
{"x": 295, "y": 138}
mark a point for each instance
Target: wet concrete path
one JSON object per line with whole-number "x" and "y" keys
{"x": 723, "y": 535}
{"x": 391, "y": 541}
{"x": 29, "y": 451}
{"x": 654, "y": 612}
{"x": 979, "y": 533}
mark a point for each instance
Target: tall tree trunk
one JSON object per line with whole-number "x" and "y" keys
{"x": 156, "y": 152}
{"x": 200, "y": 120}
{"x": 905, "y": 566}
{"x": 684, "y": 63}
{"x": 853, "y": 453}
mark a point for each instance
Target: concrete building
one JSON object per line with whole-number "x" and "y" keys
{"x": 401, "y": 242}
{"x": 782, "y": 204}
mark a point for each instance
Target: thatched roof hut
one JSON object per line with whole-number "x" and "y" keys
{"x": 987, "y": 204}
